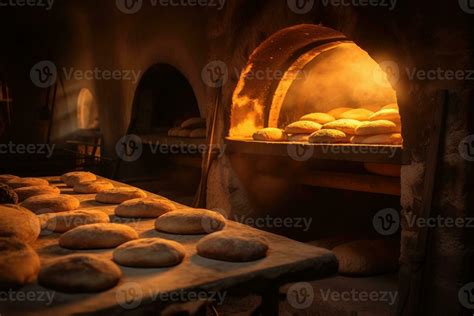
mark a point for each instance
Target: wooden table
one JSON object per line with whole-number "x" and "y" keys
{"x": 154, "y": 289}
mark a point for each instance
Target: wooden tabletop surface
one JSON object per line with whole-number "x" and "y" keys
{"x": 146, "y": 287}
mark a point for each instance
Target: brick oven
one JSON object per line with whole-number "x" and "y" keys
{"x": 246, "y": 66}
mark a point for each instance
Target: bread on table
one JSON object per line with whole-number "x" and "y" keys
{"x": 337, "y": 112}
{"x": 19, "y": 263}
{"x": 303, "y": 127}
{"x": 18, "y": 222}
{"x": 119, "y": 195}
{"x": 51, "y": 203}
{"x": 377, "y": 127}
{"x": 26, "y": 182}
{"x": 189, "y": 221}
{"x": 8, "y": 195}
{"x": 318, "y": 117}
{"x": 27, "y": 192}
{"x": 75, "y": 177}
{"x": 80, "y": 274}
{"x": 232, "y": 246}
{"x": 270, "y": 134}
{"x": 65, "y": 221}
{"x": 4, "y": 178}
{"x": 357, "y": 114}
{"x": 326, "y": 136}
{"x": 94, "y": 186}
{"x": 149, "y": 253}
{"x": 144, "y": 208}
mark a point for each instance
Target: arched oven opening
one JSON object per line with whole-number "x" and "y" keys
{"x": 167, "y": 120}
{"x": 315, "y": 127}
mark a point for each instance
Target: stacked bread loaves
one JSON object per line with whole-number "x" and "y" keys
{"x": 194, "y": 127}
{"x": 341, "y": 125}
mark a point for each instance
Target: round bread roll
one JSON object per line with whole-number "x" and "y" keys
{"x": 173, "y": 132}
{"x": 95, "y": 186}
{"x": 75, "y": 177}
{"x": 377, "y": 127}
{"x": 367, "y": 257}
{"x": 144, "y": 208}
{"x": 149, "y": 253}
{"x": 193, "y": 123}
{"x": 190, "y": 221}
{"x": 199, "y": 133}
{"x": 119, "y": 195}
{"x": 347, "y": 126}
{"x": 97, "y": 236}
{"x": 325, "y": 136}
{"x": 230, "y": 246}
{"x": 80, "y": 274}
{"x": 383, "y": 139}
{"x": 183, "y": 132}
{"x": 17, "y": 222}
{"x": 392, "y": 106}
{"x": 299, "y": 138}
{"x": 26, "y": 182}
{"x": 270, "y": 134}
{"x": 384, "y": 169}
{"x": 337, "y": 112}
{"x": 320, "y": 118}
{"x": 387, "y": 114}
{"x": 4, "y": 178}
{"x": 27, "y": 192}
{"x": 8, "y": 195}
{"x": 51, "y": 203}
{"x": 65, "y": 221}
{"x": 357, "y": 114}
{"x": 19, "y": 263}
{"x": 303, "y": 127}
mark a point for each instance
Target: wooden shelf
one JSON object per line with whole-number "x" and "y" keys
{"x": 344, "y": 152}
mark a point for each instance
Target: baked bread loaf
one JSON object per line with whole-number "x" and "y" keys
{"x": 75, "y": 177}
{"x": 367, "y": 257}
{"x": 144, "y": 208}
{"x": 91, "y": 187}
{"x": 184, "y": 132}
{"x": 19, "y": 263}
{"x": 65, "y": 221}
{"x": 190, "y": 221}
{"x": 149, "y": 253}
{"x": 386, "y": 114}
{"x": 119, "y": 195}
{"x": 347, "y": 126}
{"x": 26, "y": 182}
{"x": 17, "y": 222}
{"x": 51, "y": 203}
{"x": 4, "y": 178}
{"x": 80, "y": 274}
{"x": 199, "y": 133}
{"x": 27, "y": 192}
{"x": 357, "y": 114}
{"x": 325, "y": 136}
{"x": 303, "y": 127}
{"x": 193, "y": 123}
{"x": 173, "y": 132}
{"x": 337, "y": 112}
{"x": 97, "y": 236}
{"x": 393, "y": 106}
{"x": 377, "y": 127}
{"x": 231, "y": 246}
{"x": 7, "y": 195}
{"x": 320, "y": 118}
{"x": 383, "y": 139}
{"x": 299, "y": 138}
{"x": 270, "y": 134}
